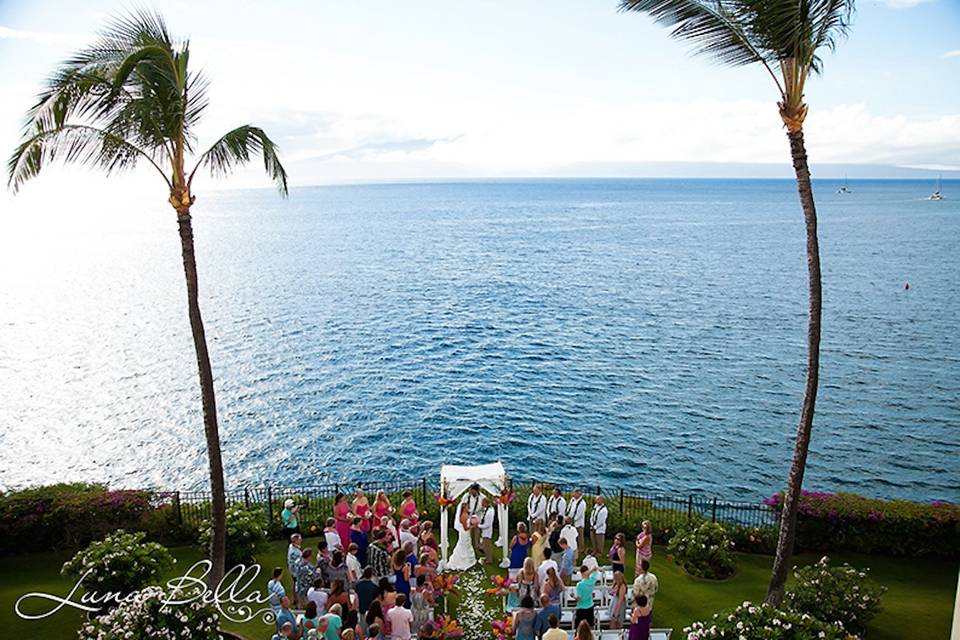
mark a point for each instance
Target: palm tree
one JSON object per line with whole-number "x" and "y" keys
{"x": 131, "y": 97}
{"x": 783, "y": 36}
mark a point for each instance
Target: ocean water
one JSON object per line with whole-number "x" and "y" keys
{"x": 642, "y": 333}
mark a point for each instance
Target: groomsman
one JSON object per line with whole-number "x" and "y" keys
{"x": 536, "y": 506}
{"x": 577, "y": 511}
{"x": 473, "y": 500}
{"x": 486, "y": 515}
{"x": 598, "y": 525}
{"x": 556, "y": 505}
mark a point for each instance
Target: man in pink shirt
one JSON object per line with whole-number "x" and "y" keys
{"x": 400, "y": 619}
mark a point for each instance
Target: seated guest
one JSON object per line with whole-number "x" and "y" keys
{"x": 584, "y": 611}
{"x": 547, "y": 563}
{"x": 566, "y": 561}
{"x": 318, "y": 596}
{"x": 525, "y": 620}
{"x": 547, "y": 611}
{"x": 400, "y": 618}
{"x": 555, "y": 632}
{"x": 640, "y": 619}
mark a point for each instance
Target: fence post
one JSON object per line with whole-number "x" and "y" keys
{"x": 621, "y": 502}
{"x": 176, "y": 498}
{"x": 246, "y": 497}
{"x": 423, "y": 492}
{"x": 713, "y": 518}
{"x": 689, "y": 508}
{"x": 270, "y": 504}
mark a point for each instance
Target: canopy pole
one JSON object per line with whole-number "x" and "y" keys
{"x": 504, "y": 517}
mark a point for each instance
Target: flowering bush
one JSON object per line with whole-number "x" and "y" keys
{"x": 121, "y": 563}
{"x": 146, "y": 617}
{"x": 754, "y": 539}
{"x": 849, "y": 522}
{"x": 245, "y": 535}
{"x": 705, "y": 551}
{"x": 763, "y": 621}
{"x": 842, "y": 594}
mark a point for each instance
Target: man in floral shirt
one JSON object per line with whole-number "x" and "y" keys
{"x": 377, "y": 556}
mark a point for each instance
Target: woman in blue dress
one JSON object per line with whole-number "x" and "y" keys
{"x": 519, "y": 547}
{"x": 401, "y": 572}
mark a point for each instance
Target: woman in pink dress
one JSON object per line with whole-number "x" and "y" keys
{"x": 382, "y": 506}
{"x": 361, "y": 509}
{"x": 341, "y": 513}
{"x": 645, "y": 542}
{"x": 408, "y": 508}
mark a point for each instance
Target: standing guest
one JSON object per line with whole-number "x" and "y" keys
{"x": 577, "y": 510}
{"x": 290, "y": 517}
{"x": 618, "y": 601}
{"x": 536, "y": 506}
{"x": 378, "y": 556}
{"x": 361, "y": 509}
{"x": 392, "y": 535}
{"x": 318, "y": 596}
{"x": 569, "y": 533}
{"x": 556, "y": 505}
{"x": 338, "y": 597}
{"x": 554, "y": 632}
{"x": 382, "y": 506}
{"x": 584, "y": 611}
{"x": 354, "y": 568}
{"x": 338, "y": 569}
{"x": 554, "y": 529}
{"x": 375, "y": 621}
{"x": 275, "y": 590}
{"x": 646, "y": 583}
{"x": 294, "y": 553}
{"x": 528, "y": 582}
{"x": 425, "y": 567}
{"x": 590, "y": 560}
{"x": 425, "y": 537}
{"x": 618, "y": 553}
{"x": 286, "y": 616}
{"x": 519, "y": 546}
{"x": 640, "y": 619}
{"x": 400, "y": 618}
{"x": 323, "y": 561}
{"x": 421, "y": 604}
{"x": 401, "y": 574}
{"x": 406, "y": 535}
{"x": 373, "y": 632}
{"x": 538, "y": 542}
{"x": 645, "y": 543}
{"x": 360, "y": 538}
{"x": 332, "y": 536}
{"x": 341, "y": 513}
{"x": 486, "y": 516}
{"x": 286, "y": 632}
{"x": 408, "y": 508}
{"x": 305, "y": 577}
{"x": 310, "y": 620}
{"x": 583, "y": 631}
{"x": 553, "y": 587}
{"x": 566, "y": 561}
{"x": 525, "y": 620}
{"x": 598, "y": 525}
{"x": 547, "y": 564}
{"x": 334, "y": 623}
{"x": 543, "y": 616}
{"x": 387, "y": 596}
{"x": 366, "y": 590}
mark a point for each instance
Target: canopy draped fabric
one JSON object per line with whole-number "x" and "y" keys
{"x": 455, "y": 480}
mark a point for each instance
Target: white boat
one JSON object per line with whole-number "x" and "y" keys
{"x": 844, "y": 188}
{"x": 938, "y": 194}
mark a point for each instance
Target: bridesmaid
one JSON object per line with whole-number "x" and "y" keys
{"x": 408, "y": 508}
{"x": 341, "y": 513}
{"x": 382, "y": 506}
{"x": 644, "y": 542}
{"x": 361, "y": 509}
{"x": 640, "y": 619}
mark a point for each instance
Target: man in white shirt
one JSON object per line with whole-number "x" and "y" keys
{"x": 577, "y": 510}
{"x": 486, "y": 515}
{"x": 332, "y": 537}
{"x": 318, "y": 596}
{"x": 598, "y": 526}
{"x": 548, "y": 562}
{"x": 406, "y": 536}
{"x": 536, "y": 507}
{"x": 556, "y": 505}
{"x": 569, "y": 533}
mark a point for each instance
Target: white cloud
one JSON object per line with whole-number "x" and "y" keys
{"x": 44, "y": 37}
{"x": 952, "y": 54}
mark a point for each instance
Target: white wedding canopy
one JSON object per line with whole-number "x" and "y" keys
{"x": 455, "y": 480}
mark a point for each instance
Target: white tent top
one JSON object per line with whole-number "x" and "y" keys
{"x": 492, "y": 478}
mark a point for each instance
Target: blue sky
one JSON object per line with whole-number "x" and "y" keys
{"x": 387, "y": 90}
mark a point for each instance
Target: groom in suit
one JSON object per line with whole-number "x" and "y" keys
{"x": 487, "y": 513}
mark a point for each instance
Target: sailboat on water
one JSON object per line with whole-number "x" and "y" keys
{"x": 844, "y": 188}
{"x": 938, "y": 194}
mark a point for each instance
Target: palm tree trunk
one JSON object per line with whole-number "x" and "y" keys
{"x": 791, "y": 499}
{"x": 218, "y": 500}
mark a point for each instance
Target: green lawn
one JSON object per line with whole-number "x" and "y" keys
{"x": 920, "y": 597}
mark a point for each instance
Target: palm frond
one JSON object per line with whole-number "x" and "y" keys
{"x": 236, "y": 148}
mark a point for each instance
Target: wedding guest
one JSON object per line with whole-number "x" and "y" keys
{"x": 338, "y": 569}
{"x": 354, "y": 568}
{"x": 583, "y": 631}
{"x": 401, "y": 574}
{"x": 343, "y": 517}
{"x": 556, "y": 505}
{"x": 406, "y": 535}
{"x": 646, "y": 582}
{"x": 318, "y": 596}
{"x": 536, "y": 506}
{"x": 566, "y": 560}
{"x": 525, "y": 620}
{"x": 590, "y": 560}
{"x": 290, "y": 518}
{"x": 421, "y": 605}
{"x": 332, "y": 536}
{"x": 538, "y": 542}
{"x": 554, "y": 529}
{"x": 392, "y": 536}
{"x": 375, "y": 620}
{"x": 577, "y": 510}
{"x": 584, "y": 611}
{"x": 528, "y": 581}
{"x": 361, "y": 509}
{"x": 275, "y": 590}
{"x": 387, "y": 596}
{"x": 640, "y": 619}
{"x": 425, "y": 537}
{"x": 366, "y": 590}
{"x": 294, "y": 553}
{"x": 553, "y": 587}
{"x": 334, "y": 623}
{"x": 554, "y": 632}
{"x": 382, "y": 506}
{"x": 645, "y": 543}
{"x": 569, "y": 533}
{"x": 306, "y": 575}
{"x": 310, "y": 619}
{"x": 338, "y": 597}
{"x": 618, "y": 553}
{"x": 323, "y": 561}
{"x": 598, "y": 525}
{"x": 547, "y": 610}
{"x": 547, "y": 564}
{"x": 378, "y": 556}
{"x": 374, "y": 633}
{"x": 519, "y": 546}
{"x": 617, "y": 593}
{"x": 426, "y": 567}
{"x": 486, "y": 516}
{"x": 360, "y": 538}
{"x": 408, "y": 508}
{"x": 400, "y": 618}
{"x": 286, "y": 632}
{"x": 286, "y": 616}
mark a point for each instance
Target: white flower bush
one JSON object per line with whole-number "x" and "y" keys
{"x": 245, "y": 535}
{"x": 120, "y": 563}
{"x": 843, "y": 594}
{"x": 763, "y": 622}
{"x": 144, "y": 616}
{"x": 704, "y": 551}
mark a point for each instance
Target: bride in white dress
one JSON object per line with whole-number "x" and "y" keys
{"x": 463, "y": 556}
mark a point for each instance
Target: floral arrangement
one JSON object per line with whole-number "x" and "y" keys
{"x": 245, "y": 535}
{"x": 445, "y": 584}
{"x": 444, "y": 627}
{"x": 506, "y": 496}
{"x": 842, "y": 594}
{"x": 501, "y": 586}
{"x": 121, "y": 563}
{"x": 502, "y": 628}
{"x": 444, "y": 502}
{"x": 146, "y": 616}
{"x": 704, "y": 551}
{"x": 764, "y": 621}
